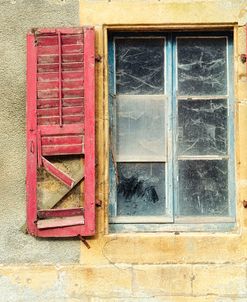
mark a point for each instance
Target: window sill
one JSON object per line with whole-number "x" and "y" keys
{"x": 178, "y": 227}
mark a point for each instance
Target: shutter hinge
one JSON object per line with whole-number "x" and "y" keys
{"x": 98, "y": 58}
{"x": 98, "y": 203}
{"x": 243, "y": 58}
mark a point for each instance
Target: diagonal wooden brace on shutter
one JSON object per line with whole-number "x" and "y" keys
{"x": 49, "y": 167}
{"x": 60, "y": 175}
{"x": 60, "y": 123}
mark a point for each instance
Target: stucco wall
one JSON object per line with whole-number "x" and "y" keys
{"x": 16, "y": 18}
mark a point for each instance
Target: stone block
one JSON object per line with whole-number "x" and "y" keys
{"x": 222, "y": 280}
{"x": 102, "y": 281}
{"x": 151, "y": 280}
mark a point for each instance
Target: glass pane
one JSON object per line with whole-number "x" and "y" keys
{"x": 203, "y": 188}
{"x": 140, "y": 128}
{"x": 202, "y": 127}
{"x": 141, "y": 189}
{"x": 202, "y": 66}
{"x": 140, "y": 66}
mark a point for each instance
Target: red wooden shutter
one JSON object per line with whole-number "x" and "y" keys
{"x": 60, "y": 123}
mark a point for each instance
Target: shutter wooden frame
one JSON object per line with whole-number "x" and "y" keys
{"x": 70, "y": 226}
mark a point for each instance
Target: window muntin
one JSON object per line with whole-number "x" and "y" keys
{"x": 197, "y": 117}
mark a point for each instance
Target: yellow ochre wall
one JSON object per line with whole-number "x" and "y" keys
{"x": 168, "y": 266}
{"x": 136, "y": 267}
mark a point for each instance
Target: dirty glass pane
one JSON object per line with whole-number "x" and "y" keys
{"x": 202, "y": 68}
{"x": 203, "y": 188}
{"x": 140, "y": 128}
{"x": 141, "y": 189}
{"x": 202, "y": 127}
{"x": 140, "y": 66}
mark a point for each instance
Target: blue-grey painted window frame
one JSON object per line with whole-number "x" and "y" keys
{"x": 192, "y": 224}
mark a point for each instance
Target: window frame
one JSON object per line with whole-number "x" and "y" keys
{"x": 186, "y": 223}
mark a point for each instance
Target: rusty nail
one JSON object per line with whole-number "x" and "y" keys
{"x": 84, "y": 241}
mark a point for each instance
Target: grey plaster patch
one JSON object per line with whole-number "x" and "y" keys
{"x": 16, "y": 18}
{"x": 14, "y": 291}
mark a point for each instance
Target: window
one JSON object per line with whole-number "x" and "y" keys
{"x": 171, "y": 130}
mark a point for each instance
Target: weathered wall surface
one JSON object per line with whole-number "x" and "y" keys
{"x": 173, "y": 267}
{"x": 185, "y": 267}
{"x": 16, "y": 19}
